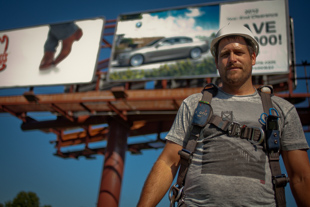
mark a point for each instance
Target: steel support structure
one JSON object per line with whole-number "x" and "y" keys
{"x": 112, "y": 174}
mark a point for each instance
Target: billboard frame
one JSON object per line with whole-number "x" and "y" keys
{"x": 289, "y": 59}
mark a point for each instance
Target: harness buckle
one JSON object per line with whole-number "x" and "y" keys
{"x": 186, "y": 155}
{"x": 175, "y": 193}
{"x": 234, "y": 130}
{"x": 261, "y": 137}
{"x": 280, "y": 180}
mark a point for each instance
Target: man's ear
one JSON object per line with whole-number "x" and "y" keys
{"x": 253, "y": 58}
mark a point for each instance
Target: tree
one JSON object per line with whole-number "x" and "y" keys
{"x": 24, "y": 199}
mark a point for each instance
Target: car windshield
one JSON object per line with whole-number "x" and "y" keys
{"x": 153, "y": 42}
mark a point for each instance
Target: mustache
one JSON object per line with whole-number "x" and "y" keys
{"x": 233, "y": 65}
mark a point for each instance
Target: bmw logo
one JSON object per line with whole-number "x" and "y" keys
{"x": 138, "y": 24}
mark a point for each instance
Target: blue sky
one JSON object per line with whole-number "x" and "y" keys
{"x": 210, "y": 13}
{"x": 182, "y": 21}
{"x": 26, "y": 158}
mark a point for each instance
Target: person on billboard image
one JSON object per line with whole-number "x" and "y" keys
{"x": 226, "y": 141}
{"x": 67, "y": 33}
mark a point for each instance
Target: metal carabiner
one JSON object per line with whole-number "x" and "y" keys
{"x": 172, "y": 192}
{"x": 264, "y": 116}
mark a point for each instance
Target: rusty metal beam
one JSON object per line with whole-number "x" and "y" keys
{"x": 138, "y": 128}
{"x": 63, "y": 123}
{"x": 112, "y": 174}
{"x": 175, "y": 103}
{"x": 21, "y": 116}
{"x": 107, "y": 96}
{"x": 107, "y": 44}
{"x": 103, "y": 64}
{"x": 293, "y": 95}
{"x": 93, "y": 135}
{"x": 85, "y": 152}
{"x": 132, "y": 148}
{"x": 62, "y": 112}
{"x": 118, "y": 112}
{"x": 102, "y": 96}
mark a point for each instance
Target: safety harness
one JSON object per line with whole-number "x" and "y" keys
{"x": 269, "y": 137}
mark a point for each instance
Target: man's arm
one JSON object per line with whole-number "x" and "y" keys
{"x": 298, "y": 168}
{"x": 161, "y": 175}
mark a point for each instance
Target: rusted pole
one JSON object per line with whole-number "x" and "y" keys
{"x": 112, "y": 174}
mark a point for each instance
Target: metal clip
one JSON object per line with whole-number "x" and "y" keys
{"x": 176, "y": 192}
{"x": 234, "y": 130}
{"x": 186, "y": 155}
{"x": 261, "y": 138}
{"x": 280, "y": 180}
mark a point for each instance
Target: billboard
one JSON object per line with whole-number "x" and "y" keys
{"x": 55, "y": 54}
{"x": 175, "y": 43}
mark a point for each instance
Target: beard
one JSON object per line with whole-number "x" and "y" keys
{"x": 237, "y": 76}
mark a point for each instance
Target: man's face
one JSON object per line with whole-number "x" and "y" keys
{"x": 234, "y": 62}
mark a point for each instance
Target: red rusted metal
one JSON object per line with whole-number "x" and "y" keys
{"x": 103, "y": 64}
{"x": 62, "y": 112}
{"x": 290, "y": 82}
{"x": 107, "y": 44}
{"x": 21, "y": 116}
{"x": 112, "y": 174}
{"x": 109, "y": 26}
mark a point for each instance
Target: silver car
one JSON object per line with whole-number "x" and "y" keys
{"x": 164, "y": 49}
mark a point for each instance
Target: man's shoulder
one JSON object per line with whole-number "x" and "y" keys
{"x": 282, "y": 103}
{"x": 193, "y": 99}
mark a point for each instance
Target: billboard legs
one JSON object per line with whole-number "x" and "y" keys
{"x": 112, "y": 174}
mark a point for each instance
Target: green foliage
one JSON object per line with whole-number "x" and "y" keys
{"x": 181, "y": 69}
{"x": 126, "y": 41}
{"x": 24, "y": 199}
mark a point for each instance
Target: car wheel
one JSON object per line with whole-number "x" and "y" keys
{"x": 136, "y": 60}
{"x": 195, "y": 53}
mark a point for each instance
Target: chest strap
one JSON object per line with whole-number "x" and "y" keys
{"x": 255, "y": 135}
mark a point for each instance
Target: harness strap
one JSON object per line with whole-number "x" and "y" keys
{"x": 186, "y": 154}
{"x": 279, "y": 180}
{"x": 234, "y": 129}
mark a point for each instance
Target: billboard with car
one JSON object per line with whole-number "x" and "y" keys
{"x": 175, "y": 43}
{"x": 61, "y": 53}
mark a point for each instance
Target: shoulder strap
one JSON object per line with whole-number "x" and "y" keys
{"x": 201, "y": 117}
{"x": 272, "y": 145}
{"x": 199, "y": 121}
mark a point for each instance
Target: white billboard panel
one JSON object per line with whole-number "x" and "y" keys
{"x": 62, "y": 53}
{"x": 175, "y": 43}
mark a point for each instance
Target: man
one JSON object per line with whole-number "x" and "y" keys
{"x": 230, "y": 171}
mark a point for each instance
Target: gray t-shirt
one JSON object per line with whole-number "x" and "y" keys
{"x": 229, "y": 171}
